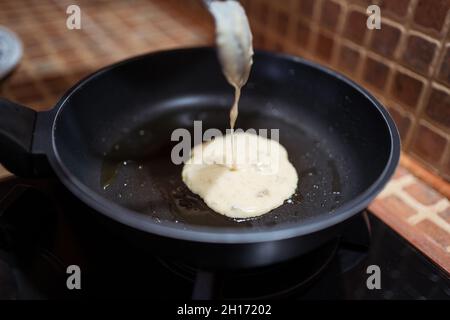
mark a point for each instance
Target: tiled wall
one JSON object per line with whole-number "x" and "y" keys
{"x": 55, "y": 57}
{"x": 406, "y": 64}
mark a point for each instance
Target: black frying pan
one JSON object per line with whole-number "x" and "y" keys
{"x": 109, "y": 141}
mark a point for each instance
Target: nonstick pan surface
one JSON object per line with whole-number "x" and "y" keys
{"x": 110, "y": 142}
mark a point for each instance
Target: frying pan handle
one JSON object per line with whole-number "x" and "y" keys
{"x": 16, "y": 137}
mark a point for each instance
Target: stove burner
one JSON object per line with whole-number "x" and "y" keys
{"x": 271, "y": 282}
{"x": 42, "y": 231}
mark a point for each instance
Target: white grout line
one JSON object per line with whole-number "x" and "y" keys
{"x": 396, "y": 187}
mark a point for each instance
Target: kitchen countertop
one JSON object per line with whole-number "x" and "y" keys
{"x": 412, "y": 206}
{"x": 415, "y": 202}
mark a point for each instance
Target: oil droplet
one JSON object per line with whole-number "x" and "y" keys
{"x": 140, "y": 167}
{"x": 125, "y": 163}
{"x": 120, "y": 195}
{"x": 124, "y": 184}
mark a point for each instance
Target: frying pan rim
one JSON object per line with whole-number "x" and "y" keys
{"x": 226, "y": 235}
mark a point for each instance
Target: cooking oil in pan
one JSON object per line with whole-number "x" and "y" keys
{"x": 138, "y": 173}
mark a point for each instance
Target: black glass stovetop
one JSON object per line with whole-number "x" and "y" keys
{"x": 44, "y": 230}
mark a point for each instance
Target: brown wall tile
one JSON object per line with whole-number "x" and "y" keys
{"x": 258, "y": 40}
{"x": 403, "y": 122}
{"x": 282, "y": 22}
{"x": 302, "y": 34}
{"x": 418, "y": 53}
{"x": 398, "y": 8}
{"x": 375, "y": 73}
{"x": 431, "y": 13}
{"x": 330, "y": 14}
{"x": 26, "y": 91}
{"x": 438, "y": 107}
{"x": 428, "y": 144}
{"x": 397, "y": 205}
{"x": 435, "y": 232}
{"x": 56, "y": 84}
{"x": 373, "y": 57}
{"x": 444, "y": 69}
{"x": 406, "y": 89}
{"x": 305, "y": 8}
{"x": 263, "y": 13}
{"x": 423, "y": 193}
{"x": 355, "y": 26}
{"x": 348, "y": 59}
{"x": 324, "y": 47}
{"x": 385, "y": 40}
{"x": 278, "y": 46}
